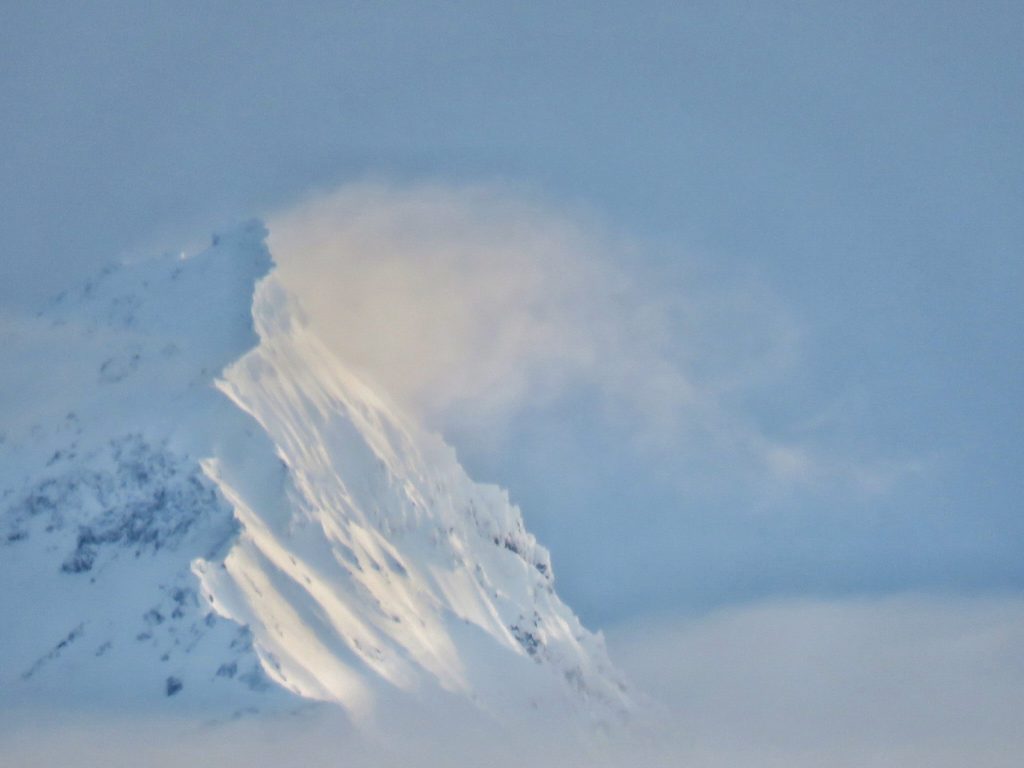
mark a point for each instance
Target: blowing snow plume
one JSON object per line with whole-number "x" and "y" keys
{"x": 453, "y": 298}
{"x": 472, "y": 304}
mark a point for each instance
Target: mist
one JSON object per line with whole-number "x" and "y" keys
{"x": 904, "y": 680}
{"x": 473, "y": 304}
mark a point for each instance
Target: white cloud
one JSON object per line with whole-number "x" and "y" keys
{"x": 451, "y": 298}
{"x": 887, "y": 683}
{"x": 468, "y": 304}
{"x": 899, "y": 681}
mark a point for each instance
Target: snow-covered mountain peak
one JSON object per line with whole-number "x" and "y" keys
{"x": 216, "y": 513}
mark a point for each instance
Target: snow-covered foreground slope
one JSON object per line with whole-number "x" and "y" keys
{"x": 201, "y": 510}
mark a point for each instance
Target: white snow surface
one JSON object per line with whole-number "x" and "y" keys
{"x": 201, "y": 509}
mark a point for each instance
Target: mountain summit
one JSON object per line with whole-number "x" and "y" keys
{"x": 202, "y": 509}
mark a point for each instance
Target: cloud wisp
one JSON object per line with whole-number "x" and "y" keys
{"x": 909, "y": 680}
{"x": 470, "y": 303}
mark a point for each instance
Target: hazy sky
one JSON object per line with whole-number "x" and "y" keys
{"x": 775, "y": 253}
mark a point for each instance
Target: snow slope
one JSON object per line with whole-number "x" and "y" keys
{"x": 200, "y": 508}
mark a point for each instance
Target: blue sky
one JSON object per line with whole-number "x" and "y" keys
{"x": 843, "y": 180}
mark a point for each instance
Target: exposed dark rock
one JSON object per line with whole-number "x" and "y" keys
{"x": 135, "y": 494}
{"x": 73, "y": 635}
{"x": 530, "y": 641}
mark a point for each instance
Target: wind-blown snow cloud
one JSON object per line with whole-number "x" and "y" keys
{"x": 451, "y": 298}
{"x": 468, "y": 303}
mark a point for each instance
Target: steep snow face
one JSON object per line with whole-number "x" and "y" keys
{"x": 377, "y": 560}
{"x": 201, "y": 505}
{"x": 107, "y": 407}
